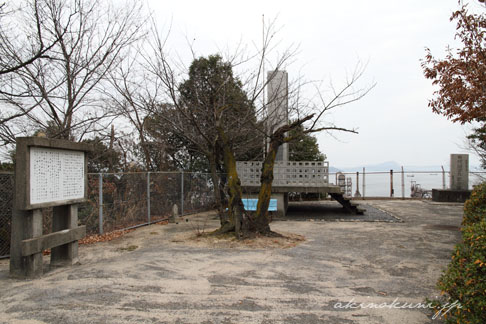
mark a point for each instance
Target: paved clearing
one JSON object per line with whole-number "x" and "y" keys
{"x": 152, "y": 275}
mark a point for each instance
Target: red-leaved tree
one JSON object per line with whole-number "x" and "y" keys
{"x": 461, "y": 77}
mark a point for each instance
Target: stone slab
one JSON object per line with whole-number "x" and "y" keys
{"x": 448, "y": 195}
{"x": 459, "y": 175}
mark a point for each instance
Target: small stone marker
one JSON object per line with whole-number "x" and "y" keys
{"x": 459, "y": 177}
{"x": 175, "y": 213}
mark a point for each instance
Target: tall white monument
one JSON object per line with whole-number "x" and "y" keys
{"x": 277, "y": 106}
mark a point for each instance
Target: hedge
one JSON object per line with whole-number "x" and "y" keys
{"x": 464, "y": 280}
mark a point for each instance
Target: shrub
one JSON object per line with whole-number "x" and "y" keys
{"x": 475, "y": 206}
{"x": 465, "y": 278}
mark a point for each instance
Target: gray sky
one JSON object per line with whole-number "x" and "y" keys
{"x": 394, "y": 121}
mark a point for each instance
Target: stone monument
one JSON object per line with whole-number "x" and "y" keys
{"x": 459, "y": 176}
{"x": 277, "y": 107}
{"x": 459, "y": 181}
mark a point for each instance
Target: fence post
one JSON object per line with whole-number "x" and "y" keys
{"x": 391, "y": 183}
{"x": 364, "y": 185}
{"x": 357, "y": 194}
{"x": 443, "y": 178}
{"x": 182, "y": 193}
{"x": 403, "y": 184}
{"x": 100, "y": 201}
{"x": 148, "y": 197}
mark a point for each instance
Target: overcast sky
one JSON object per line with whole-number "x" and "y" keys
{"x": 394, "y": 121}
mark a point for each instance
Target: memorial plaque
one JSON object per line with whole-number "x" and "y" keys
{"x": 56, "y": 175}
{"x": 50, "y": 173}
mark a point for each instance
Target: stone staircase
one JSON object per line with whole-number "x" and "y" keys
{"x": 351, "y": 207}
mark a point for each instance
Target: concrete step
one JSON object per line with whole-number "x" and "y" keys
{"x": 351, "y": 207}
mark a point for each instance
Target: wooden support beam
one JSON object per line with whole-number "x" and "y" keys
{"x": 41, "y": 243}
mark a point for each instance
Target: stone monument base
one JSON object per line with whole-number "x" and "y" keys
{"x": 448, "y": 195}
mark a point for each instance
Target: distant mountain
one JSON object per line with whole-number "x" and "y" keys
{"x": 334, "y": 170}
{"x": 385, "y": 166}
{"x": 425, "y": 168}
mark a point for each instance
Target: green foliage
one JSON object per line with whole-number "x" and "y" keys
{"x": 214, "y": 96}
{"x": 102, "y": 158}
{"x": 169, "y": 150}
{"x": 477, "y": 141}
{"x": 6, "y": 166}
{"x": 475, "y": 207}
{"x": 303, "y": 147}
{"x": 183, "y": 135}
{"x": 465, "y": 277}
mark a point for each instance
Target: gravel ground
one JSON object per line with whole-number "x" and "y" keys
{"x": 151, "y": 275}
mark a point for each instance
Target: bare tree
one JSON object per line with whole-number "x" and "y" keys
{"x": 16, "y": 51}
{"x": 132, "y": 95}
{"x": 220, "y": 112}
{"x": 311, "y": 118}
{"x": 61, "y": 93}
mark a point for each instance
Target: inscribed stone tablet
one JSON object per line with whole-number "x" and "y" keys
{"x": 459, "y": 172}
{"x": 56, "y": 175}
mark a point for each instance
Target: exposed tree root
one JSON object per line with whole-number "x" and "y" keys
{"x": 226, "y": 228}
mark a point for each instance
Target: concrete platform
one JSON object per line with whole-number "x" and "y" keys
{"x": 281, "y": 193}
{"x": 286, "y": 189}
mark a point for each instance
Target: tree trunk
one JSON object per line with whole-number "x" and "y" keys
{"x": 235, "y": 204}
{"x": 218, "y": 195}
{"x": 262, "y": 221}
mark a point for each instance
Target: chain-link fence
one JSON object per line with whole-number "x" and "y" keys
{"x": 118, "y": 201}
{"x": 124, "y": 200}
{"x": 6, "y": 200}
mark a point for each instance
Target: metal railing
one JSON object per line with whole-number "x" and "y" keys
{"x": 401, "y": 183}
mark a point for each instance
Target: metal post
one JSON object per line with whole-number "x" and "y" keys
{"x": 206, "y": 187}
{"x": 403, "y": 184}
{"x": 357, "y": 194}
{"x": 443, "y": 178}
{"x": 391, "y": 183}
{"x": 100, "y": 202}
{"x": 182, "y": 193}
{"x": 148, "y": 197}
{"x": 364, "y": 185}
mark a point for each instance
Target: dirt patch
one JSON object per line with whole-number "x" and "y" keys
{"x": 97, "y": 238}
{"x": 129, "y": 248}
{"x": 285, "y": 241}
{"x": 442, "y": 227}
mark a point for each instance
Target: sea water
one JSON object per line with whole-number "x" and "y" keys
{"x": 378, "y": 184}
